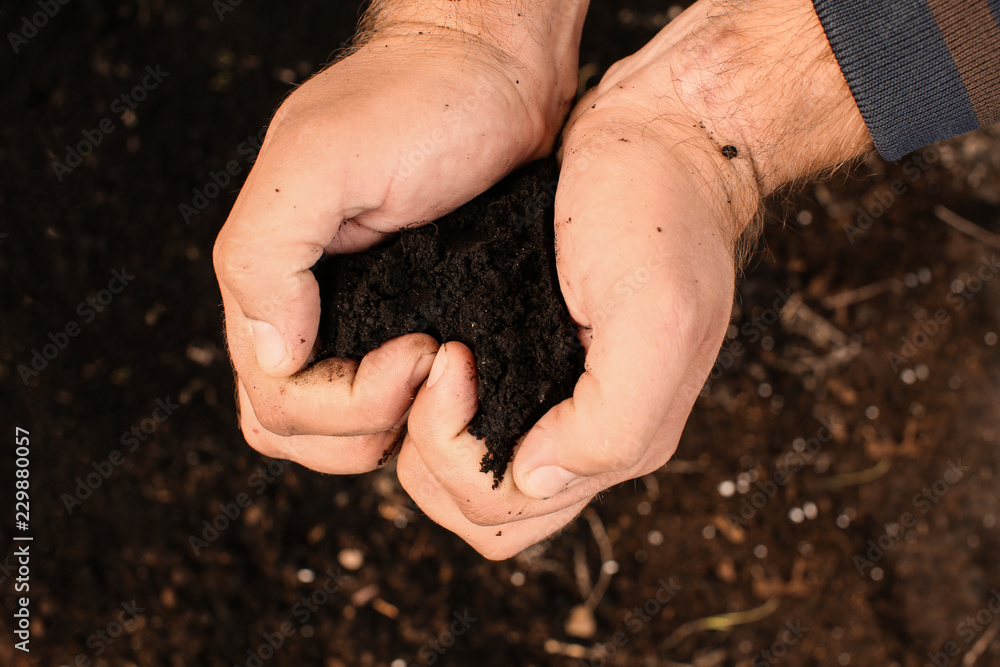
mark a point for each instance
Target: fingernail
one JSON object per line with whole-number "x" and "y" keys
{"x": 402, "y": 422}
{"x": 547, "y": 481}
{"x": 423, "y": 367}
{"x": 437, "y": 370}
{"x": 270, "y": 347}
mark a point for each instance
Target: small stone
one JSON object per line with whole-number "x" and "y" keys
{"x": 581, "y": 622}
{"x": 351, "y": 559}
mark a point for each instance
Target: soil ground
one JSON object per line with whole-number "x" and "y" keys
{"x": 897, "y": 453}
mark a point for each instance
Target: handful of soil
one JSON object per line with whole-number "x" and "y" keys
{"x": 483, "y": 275}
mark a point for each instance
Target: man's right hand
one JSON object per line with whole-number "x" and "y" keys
{"x": 435, "y": 108}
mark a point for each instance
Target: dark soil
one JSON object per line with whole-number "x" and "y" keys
{"x": 896, "y": 426}
{"x": 485, "y": 276}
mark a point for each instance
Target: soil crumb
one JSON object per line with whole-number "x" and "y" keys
{"x": 483, "y": 275}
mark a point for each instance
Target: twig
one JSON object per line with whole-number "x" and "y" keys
{"x": 583, "y": 581}
{"x": 971, "y": 229}
{"x": 578, "y": 651}
{"x": 860, "y": 294}
{"x": 799, "y": 318}
{"x": 857, "y": 478}
{"x": 720, "y": 622}
{"x": 972, "y": 656}
{"x": 652, "y": 485}
{"x": 683, "y": 467}
{"x": 607, "y": 556}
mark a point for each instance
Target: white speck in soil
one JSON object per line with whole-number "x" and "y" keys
{"x": 351, "y": 559}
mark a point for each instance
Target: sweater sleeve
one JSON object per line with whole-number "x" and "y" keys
{"x": 921, "y": 71}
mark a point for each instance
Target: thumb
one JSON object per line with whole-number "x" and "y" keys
{"x": 629, "y": 269}
{"x": 618, "y": 406}
{"x": 276, "y": 232}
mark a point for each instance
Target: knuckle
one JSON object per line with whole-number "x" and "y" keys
{"x": 420, "y": 427}
{"x": 229, "y": 264}
{"x": 259, "y": 440}
{"x": 273, "y": 417}
{"x": 378, "y": 418}
{"x": 370, "y": 453}
{"x": 414, "y": 479}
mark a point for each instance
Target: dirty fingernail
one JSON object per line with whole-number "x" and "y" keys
{"x": 547, "y": 481}
{"x": 437, "y": 370}
{"x": 270, "y": 347}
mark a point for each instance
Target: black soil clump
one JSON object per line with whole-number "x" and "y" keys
{"x": 483, "y": 275}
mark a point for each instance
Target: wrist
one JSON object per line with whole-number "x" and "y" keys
{"x": 747, "y": 95}
{"x": 763, "y": 79}
{"x": 535, "y": 45}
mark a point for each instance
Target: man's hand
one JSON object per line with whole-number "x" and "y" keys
{"x": 441, "y": 101}
{"x": 649, "y": 213}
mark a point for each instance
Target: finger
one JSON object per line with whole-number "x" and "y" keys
{"x": 437, "y": 429}
{"x": 638, "y": 293}
{"x": 495, "y": 542}
{"x": 339, "y": 397}
{"x": 438, "y": 423}
{"x": 330, "y": 455}
{"x": 277, "y": 230}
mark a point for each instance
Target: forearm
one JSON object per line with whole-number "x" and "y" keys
{"x": 761, "y": 76}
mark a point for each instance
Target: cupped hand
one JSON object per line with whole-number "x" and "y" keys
{"x": 410, "y": 126}
{"x": 664, "y": 165}
{"x": 644, "y": 245}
